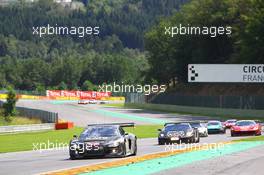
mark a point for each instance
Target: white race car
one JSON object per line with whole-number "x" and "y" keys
{"x": 202, "y": 129}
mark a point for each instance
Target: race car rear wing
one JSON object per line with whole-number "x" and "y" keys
{"x": 194, "y": 121}
{"x": 114, "y": 124}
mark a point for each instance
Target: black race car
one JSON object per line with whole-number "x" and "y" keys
{"x": 178, "y": 133}
{"x": 109, "y": 140}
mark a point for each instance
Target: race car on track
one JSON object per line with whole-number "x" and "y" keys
{"x": 246, "y": 127}
{"x": 230, "y": 123}
{"x": 178, "y": 133}
{"x": 83, "y": 102}
{"x": 202, "y": 128}
{"x": 108, "y": 140}
{"x": 215, "y": 127}
{"x": 92, "y": 101}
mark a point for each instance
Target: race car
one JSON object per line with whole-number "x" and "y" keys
{"x": 178, "y": 133}
{"x": 246, "y": 127}
{"x": 92, "y": 101}
{"x": 230, "y": 123}
{"x": 83, "y": 102}
{"x": 202, "y": 128}
{"x": 104, "y": 140}
{"x": 215, "y": 127}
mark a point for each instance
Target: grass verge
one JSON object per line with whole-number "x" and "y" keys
{"x": 25, "y": 141}
{"x": 116, "y": 105}
{"x": 252, "y": 139}
{"x": 215, "y": 115}
{"x": 18, "y": 120}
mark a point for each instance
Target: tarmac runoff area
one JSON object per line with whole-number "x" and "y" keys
{"x": 229, "y": 160}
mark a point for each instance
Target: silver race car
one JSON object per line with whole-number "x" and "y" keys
{"x": 109, "y": 140}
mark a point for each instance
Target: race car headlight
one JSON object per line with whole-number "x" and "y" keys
{"x": 115, "y": 143}
{"x": 162, "y": 135}
{"x": 189, "y": 133}
{"x": 255, "y": 128}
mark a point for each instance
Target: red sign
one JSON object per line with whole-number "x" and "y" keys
{"x": 78, "y": 94}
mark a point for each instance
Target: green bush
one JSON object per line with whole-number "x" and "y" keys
{"x": 10, "y": 105}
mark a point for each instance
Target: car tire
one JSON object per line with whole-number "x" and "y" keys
{"x": 192, "y": 139}
{"x": 224, "y": 131}
{"x": 161, "y": 142}
{"x": 233, "y": 134}
{"x": 135, "y": 149}
{"x": 198, "y": 139}
{"x": 124, "y": 151}
{"x": 72, "y": 156}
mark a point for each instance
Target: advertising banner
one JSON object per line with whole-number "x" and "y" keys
{"x": 77, "y": 94}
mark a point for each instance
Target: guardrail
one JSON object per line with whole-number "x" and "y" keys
{"x": 26, "y": 128}
{"x": 44, "y": 116}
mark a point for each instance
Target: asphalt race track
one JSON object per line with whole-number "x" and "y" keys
{"x": 35, "y": 162}
{"x": 82, "y": 115}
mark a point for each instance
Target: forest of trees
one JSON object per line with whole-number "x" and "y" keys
{"x": 244, "y": 46}
{"x": 131, "y": 47}
{"x": 29, "y": 62}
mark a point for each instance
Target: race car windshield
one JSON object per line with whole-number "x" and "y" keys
{"x": 245, "y": 123}
{"x": 213, "y": 123}
{"x": 97, "y": 132}
{"x": 197, "y": 125}
{"x": 178, "y": 127}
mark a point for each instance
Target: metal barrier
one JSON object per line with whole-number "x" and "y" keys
{"x": 44, "y": 116}
{"x": 27, "y": 128}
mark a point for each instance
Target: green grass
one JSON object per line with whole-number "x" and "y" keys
{"x": 145, "y": 131}
{"x": 213, "y": 117}
{"x": 257, "y": 138}
{"x": 25, "y": 141}
{"x": 117, "y": 105}
{"x": 18, "y": 120}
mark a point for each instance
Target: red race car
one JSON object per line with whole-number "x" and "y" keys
{"x": 246, "y": 127}
{"x": 230, "y": 123}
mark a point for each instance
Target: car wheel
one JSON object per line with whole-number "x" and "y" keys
{"x": 135, "y": 148}
{"x": 233, "y": 134}
{"x": 192, "y": 139}
{"x": 161, "y": 142}
{"x": 72, "y": 156}
{"x": 197, "y": 139}
{"x": 124, "y": 150}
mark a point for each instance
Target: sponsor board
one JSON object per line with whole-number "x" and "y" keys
{"x": 77, "y": 94}
{"x": 226, "y": 73}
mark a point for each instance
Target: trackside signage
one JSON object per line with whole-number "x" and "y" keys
{"x": 77, "y": 94}
{"x": 229, "y": 73}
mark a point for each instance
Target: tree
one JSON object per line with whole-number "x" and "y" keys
{"x": 88, "y": 85}
{"x": 62, "y": 86}
{"x": 10, "y": 105}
